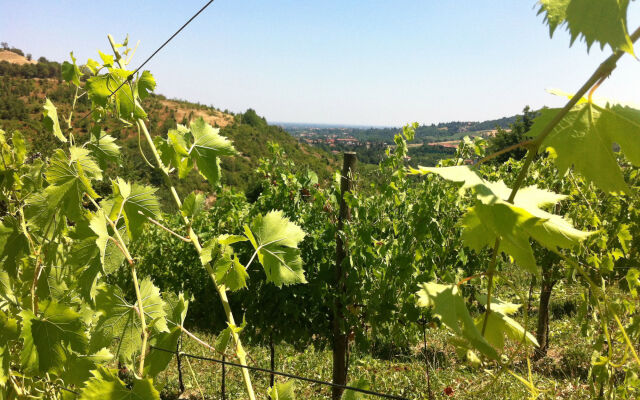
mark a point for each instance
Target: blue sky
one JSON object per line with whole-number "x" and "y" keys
{"x": 374, "y": 62}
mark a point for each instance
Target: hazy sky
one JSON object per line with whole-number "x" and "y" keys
{"x": 373, "y": 62}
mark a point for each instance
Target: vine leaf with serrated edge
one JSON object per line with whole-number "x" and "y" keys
{"x": 492, "y": 217}
{"x": 275, "y": 240}
{"x": 70, "y": 71}
{"x": 176, "y": 309}
{"x": 227, "y": 268}
{"x": 46, "y": 336}
{"x": 449, "y": 306}
{"x": 120, "y": 319}
{"x": 192, "y": 205}
{"x": 584, "y": 139}
{"x": 499, "y": 324}
{"x": 224, "y": 337}
{"x": 8, "y": 332}
{"x": 361, "y": 383}
{"x": 105, "y": 384}
{"x": 135, "y": 203}
{"x": 101, "y": 90}
{"x": 78, "y": 367}
{"x": 69, "y": 178}
{"x": 282, "y": 391}
{"x": 50, "y": 120}
{"x": 103, "y": 147}
{"x": 603, "y": 21}
{"x": 111, "y": 257}
{"x": 207, "y": 148}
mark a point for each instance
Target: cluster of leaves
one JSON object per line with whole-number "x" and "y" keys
{"x": 512, "y": 221}
{"x": 61, "y": 244}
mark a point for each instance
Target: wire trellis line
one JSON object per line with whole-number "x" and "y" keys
{"x": 285, "y": 374}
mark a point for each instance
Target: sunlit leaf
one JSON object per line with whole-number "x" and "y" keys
{"x": 492, "y": 217}
{"x": 276, "y": 240}
{"x": 50, "y": 120}
{"x": 135, "y": 203}
{"x": 105, "y": 385}
{"x": 120, "y": 319}
{"x": 207, "y": 149}
{"x": 585, "y": 139}
{"x": 449, "y": 306}
{"x": 282, "y": 391}
{"x": 602, "y": 21}
{"x": 46, "y": 336}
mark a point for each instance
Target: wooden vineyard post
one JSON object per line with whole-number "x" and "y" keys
{"x": 339, "y": 329}
{"x": 223, "y": 389}
{"x": 179, "y": 361}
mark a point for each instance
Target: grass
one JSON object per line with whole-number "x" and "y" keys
{"x": 403, "y": 375}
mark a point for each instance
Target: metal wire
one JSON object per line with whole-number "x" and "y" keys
{"x": 130, "y": 77}
{"x": 269, "y": 371}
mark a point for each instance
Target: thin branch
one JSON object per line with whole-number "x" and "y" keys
{"x": 159, "y": 225}
{"x": 123, "y": 247}
{"x": 240, "y": 352}
{"x": 525, "y": 144}
{"x": 467, "y": 279}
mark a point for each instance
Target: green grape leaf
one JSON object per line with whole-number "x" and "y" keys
{"x": 135, "y": 203}
{"x": 449, "y": 306}
{"x": 230, "y": 273}
{"x": 69, "y": 178}
{"x": 624, "y": 237}
{"x": 102, "y": 90}
{"x": 105, "y": 385}
{"x": 500, "y": 325}
{"x": 192, "y": 205}
{"x": 13, "y": 245}
{"x": 104, "y": 148}
{"x": 176, "y": 310}
{"x": 362, "y": 383}
{"x": 227, "y": 268}
{"x": 88, "y": 281}
{"x": 107, "y": 59}
{"x": 222, "y": 340}
{"x": 70, "y": 71}
{"x": 19, "y": 147}
{"x": 78, "y": 367}
{"x": 633, "y": 281}
{"x": 111, "y": 257}
{"x": 93, "y": 66}
{"x": 602, "y": 21}
{"x": 492, "y": 217}
{"x": 8, "y": 332}
{"x": 50, "y": 120}
{"x": 46, "y": 336}
{"x": 6, "y": 288}
{"x": 174, "y": 150}
{"x": 584, "y": 139}
{"x": 208, "y": 147}
{"x": 282, "y": 391}
{"x": 146, "y": 83}
{"x": 498, "y": 305}
{"x": 120, "y": 319}
{"x": 276, "y": 240}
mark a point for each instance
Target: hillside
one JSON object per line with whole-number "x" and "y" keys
{"x": 14, "y": 58}
{"x": 24, "y": 86}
